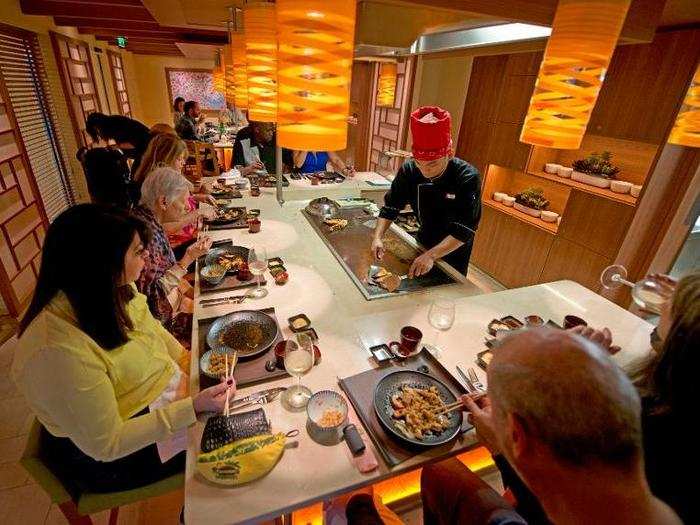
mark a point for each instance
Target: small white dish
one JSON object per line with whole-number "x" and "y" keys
{"x": 549, "y": 216}
{"x": 508, "y": 200}
{"x": 620, "y": 186}
{"x": 635, "y": 189}
{"x": 552, "y": 168}
{"x": 525, "y": 209}
{"x": 498, "y": 196}
{"x": 565, "y": 172}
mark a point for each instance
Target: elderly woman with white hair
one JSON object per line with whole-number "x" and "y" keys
{"x": 164, "y": 197}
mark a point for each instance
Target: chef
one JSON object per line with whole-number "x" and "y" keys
{"x": 443, "y": 191}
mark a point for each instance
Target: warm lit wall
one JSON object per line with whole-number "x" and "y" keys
{"x": 442, "y": 81}
{"x": 151, "y": 84}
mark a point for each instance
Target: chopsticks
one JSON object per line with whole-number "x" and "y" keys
{"x": 458, "y": 404}
{"x": 229, "y": 375}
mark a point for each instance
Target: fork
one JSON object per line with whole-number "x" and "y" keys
{"x": 235, "y": 299}
{"x": 475, "y": 380}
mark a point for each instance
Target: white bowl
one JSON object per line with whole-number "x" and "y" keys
{"x": 635, "y": 189}
{"x": 498, "y": 196}
{"x": 508, "y": 200}
{"x": 620, "y": 186}
{"x": 550, "y": 167}
{"x": 565, "y": 172}
{"x": 549, "y": 216}
{"x": 525, "y": 209}
{"x": 593, "y": 180}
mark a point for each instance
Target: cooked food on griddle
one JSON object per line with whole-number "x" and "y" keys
{"x": 242, "y": 336}
{"x": 416, "y": 412}
{"x": 387, "y": 280}
{"x": 336, "y": 224}
{"x": 231, "y": 261}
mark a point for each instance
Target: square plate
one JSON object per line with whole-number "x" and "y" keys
{"x": 306, "y": 320}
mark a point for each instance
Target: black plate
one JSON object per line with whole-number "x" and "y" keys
{"x": 213, "y": 255}
{"x": 266, "y": 323}
{"x": 392, "y": 383}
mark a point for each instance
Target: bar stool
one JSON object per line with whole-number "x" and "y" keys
{"x": 78, "y": 511}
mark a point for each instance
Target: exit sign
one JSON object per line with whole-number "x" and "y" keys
{"x": 121, "y": 41}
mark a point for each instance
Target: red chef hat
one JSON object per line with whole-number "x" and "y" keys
{"x": 431, "y": 131}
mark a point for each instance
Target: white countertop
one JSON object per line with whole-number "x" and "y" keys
{"x": 347, "y": 325}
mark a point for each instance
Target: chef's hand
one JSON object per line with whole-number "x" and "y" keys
{"x": 602, "y": 338}
{"x": 378, "y": 249}
{"x": 213, "y": 399}
{"x": 421, "y": 265}
{"x": 481, "y": 417}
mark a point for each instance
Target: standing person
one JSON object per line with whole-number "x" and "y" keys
{"x": 575, "y": 439}
{"x": 315, "y": 161}
{"x": 108, "y": 178}
{"x": 106, "y": 381}
{"x": 186, "y": 127}
{"x": 131, "y": 136}
{"x": 255, "y": 148}
{"x": 443, "y": 191}
{"x": 178, "y": 109}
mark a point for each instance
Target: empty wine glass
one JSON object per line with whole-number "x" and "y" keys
{"x": 647, "y": 293}
{"x": 257, "y": 264}
{"x": 441, "y": 316}
{"x": 298, "y": 361}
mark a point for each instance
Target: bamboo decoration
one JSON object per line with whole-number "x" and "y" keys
{"x": 238, "y": 63}
{"x": 228, "y": 75}
{"x": 386, "y": 91}
{"x": 584, "y": 35}
{"x": 260, "y": 23}
{"x": 314, "y": 66}
{"x": 218, "y": 74}
{"x": 686, "y": 130}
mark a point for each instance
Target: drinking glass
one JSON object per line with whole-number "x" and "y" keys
{"x": 647, "y": 293}
{"x": 257, "y": 264}
{"x": 298, "y": 360}
{"x": 441, "y": 316}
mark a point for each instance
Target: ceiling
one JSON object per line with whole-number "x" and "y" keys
{"x": 194, "y": 28}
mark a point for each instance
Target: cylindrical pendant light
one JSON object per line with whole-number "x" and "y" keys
{"x": 260, "y": 23}
{"x": 584, "y": 35}
{"x": 230, "y": 80}
{"x": 316, "y": 40}
{"x": 386, "y": 85}
{"x": 218, "y": 75}
{"x": 686, "y": 130}
{"x": 240, "y": 81}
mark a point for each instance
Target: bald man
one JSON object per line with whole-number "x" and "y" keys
{"x": 568, "y": 420}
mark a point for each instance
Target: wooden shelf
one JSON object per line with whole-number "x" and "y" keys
{"x": 550, "y": 227}
{"x": 624, "y": 198}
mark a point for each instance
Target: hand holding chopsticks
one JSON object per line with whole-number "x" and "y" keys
{"x": 228, "y": 379}
{"x": 460, "y": 404}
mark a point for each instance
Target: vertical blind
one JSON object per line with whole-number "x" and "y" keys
{"x": 25, "y": 79}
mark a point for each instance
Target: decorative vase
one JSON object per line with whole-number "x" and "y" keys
{"x": 620, "y": 186}
{"x": 592, "y": 180}
{"x": 508, "y": 201}
{"x": 552, "y": 168}
{"x": 565, "y": 172}
{"x": 525, "y": 209}
{"x": 549, "y": 216}
{"x": 635, "y": 189}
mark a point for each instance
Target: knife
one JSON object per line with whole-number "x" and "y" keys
{"x": 262, "y": 397}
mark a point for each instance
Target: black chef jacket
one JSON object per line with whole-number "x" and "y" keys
{"x": 447, "y": 205}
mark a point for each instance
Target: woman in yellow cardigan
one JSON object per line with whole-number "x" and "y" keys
{"x": 103, "y": 377}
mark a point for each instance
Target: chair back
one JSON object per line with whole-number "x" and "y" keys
{"x": 33, "y": 463}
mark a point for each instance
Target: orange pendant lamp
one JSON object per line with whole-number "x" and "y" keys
{"x": 229, "y": 78}
{"x": 584, "y": 35}
{"x": 686, "y": 130}
{"x": 260, "y": 23}
{"x": 386, "y": 90}
{"x": 240, "y": 80}
{"x": 218, "y": 75}
{"x": 314, "y": 66}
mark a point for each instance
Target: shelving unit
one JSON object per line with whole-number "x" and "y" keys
{"x": 601, "y": 192}
{"x": 550, "y": 227}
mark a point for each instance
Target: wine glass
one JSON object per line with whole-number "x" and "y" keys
{"x": 298, "y": 360}
{"x": 257, "y": 264}
{"x": 647, "y": 293}
{"x": 441, "y": 316}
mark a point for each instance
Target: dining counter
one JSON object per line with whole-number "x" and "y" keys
{"x": 347, "y": 325}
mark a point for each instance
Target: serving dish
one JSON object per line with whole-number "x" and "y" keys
{"x": 299, "y": 323}
{"x": 249, "y": 332}
{"x": 327, "y": 411}
{"x": 213, "y": 273}
{"x": 391, "y": 385}
{"x": 323, "y": 207}
{"x": 226, "y": 215}
{"x": 227, "y": 253}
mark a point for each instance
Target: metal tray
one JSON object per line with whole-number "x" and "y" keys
{"x": 266, "y": 323}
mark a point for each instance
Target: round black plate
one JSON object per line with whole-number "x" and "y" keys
{"x": 266, "y": 323}
{"x": 213, "y": 255}
{"x": 392, "y": 383}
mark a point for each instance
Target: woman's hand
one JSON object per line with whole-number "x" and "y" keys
{"x": 480, "y": 416}
{"x": 204, "y": 197}
{"x": 213, "y": 399}
{"x": 195, "y": 250}
{"x": 602, "y": 338}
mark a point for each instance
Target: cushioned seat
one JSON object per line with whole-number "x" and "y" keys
{"x": 77, "y": 511}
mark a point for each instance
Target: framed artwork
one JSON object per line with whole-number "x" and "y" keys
{"x": 194, "y": 84}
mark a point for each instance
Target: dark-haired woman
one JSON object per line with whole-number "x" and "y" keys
{"x": 93, "y": 363}
{"x": 178, "y": 110}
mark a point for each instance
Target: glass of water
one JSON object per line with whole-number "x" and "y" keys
{"x": 257, "y": 264}
{"x": 441, "y": 316}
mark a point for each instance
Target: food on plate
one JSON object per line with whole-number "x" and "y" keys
{"x": 415, "y": 412}
{"x": 243, "y": 337}
{"x": 217, "y": 364}
{"x": 213, "y": 271}
{"x": 226, "y": 214}
{"x": 231, "y": 261}
{"x": 281, "y": 278}
{"x": 331, "y": 417}
{"x": 299, "y": 323}
{"x": 336, "y": 224}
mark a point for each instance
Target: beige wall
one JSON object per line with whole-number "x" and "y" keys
{"x": 155, "y": 105}
{"x": 443, "y": 81}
